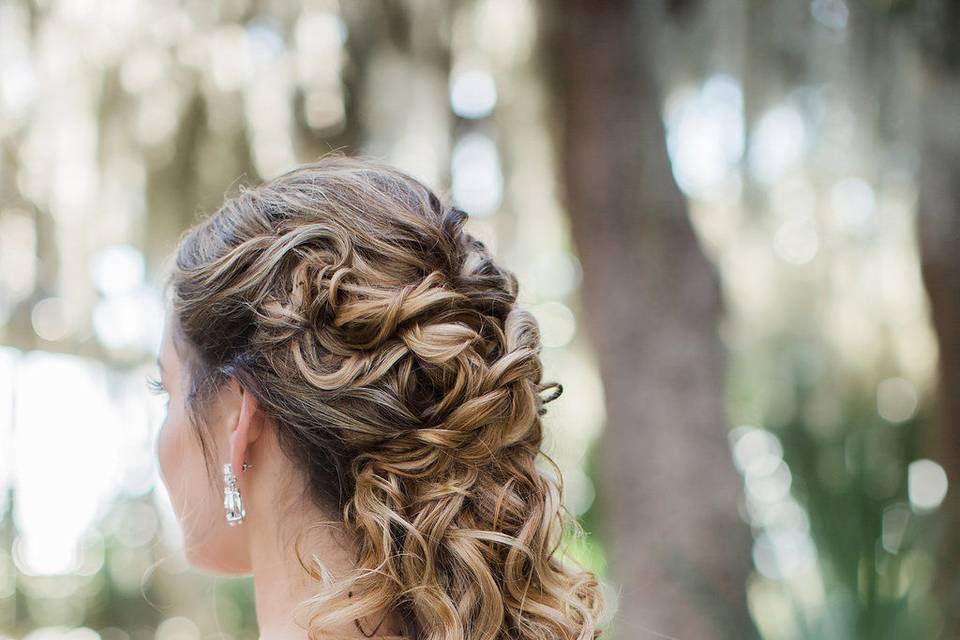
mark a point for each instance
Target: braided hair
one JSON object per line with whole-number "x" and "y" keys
{"x": 386, "y": 345}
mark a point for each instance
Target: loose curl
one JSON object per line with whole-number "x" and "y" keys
{"x": 386, "y": 346}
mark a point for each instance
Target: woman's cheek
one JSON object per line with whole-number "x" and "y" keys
{"x": 171, "y": 457}
{"x": 164, "y": 446}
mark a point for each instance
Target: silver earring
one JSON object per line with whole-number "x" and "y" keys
{"x": 231, "y": 497}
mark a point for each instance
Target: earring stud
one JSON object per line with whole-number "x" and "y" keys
{"x": 232, "y": 502}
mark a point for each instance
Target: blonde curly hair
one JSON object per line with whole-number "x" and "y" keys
{"x": 387, "y": 347}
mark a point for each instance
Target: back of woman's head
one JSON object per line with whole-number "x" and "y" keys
{"x": 403, "y": 380}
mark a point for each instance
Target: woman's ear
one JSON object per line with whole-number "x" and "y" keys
{"x": 246, "y": 430}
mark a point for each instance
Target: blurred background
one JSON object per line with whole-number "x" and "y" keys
{"x": 737, "y": 222}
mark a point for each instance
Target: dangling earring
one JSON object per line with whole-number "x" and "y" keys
{"x": 231, "y": 497}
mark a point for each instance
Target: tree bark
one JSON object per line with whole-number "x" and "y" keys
{"x": 669, "y": 492}
{"x": 938, "y": 231}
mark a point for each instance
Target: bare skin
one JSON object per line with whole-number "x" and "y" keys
{"x": 262, "y": 545}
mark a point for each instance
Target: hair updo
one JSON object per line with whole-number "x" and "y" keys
{"x": 386, "y": 346}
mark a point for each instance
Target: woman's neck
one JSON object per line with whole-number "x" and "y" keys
{"x": 281, "y": 583}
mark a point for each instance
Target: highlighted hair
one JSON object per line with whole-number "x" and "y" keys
{"x": 386, "y": 346}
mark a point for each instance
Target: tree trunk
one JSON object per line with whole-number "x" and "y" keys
{"x": 938, "y": 232}
{"x": 678, "y": 550}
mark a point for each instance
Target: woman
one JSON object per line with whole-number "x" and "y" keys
{"x": 354, "y": 417}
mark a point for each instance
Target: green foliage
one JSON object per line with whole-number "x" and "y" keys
{"x": 849, "y": 468}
